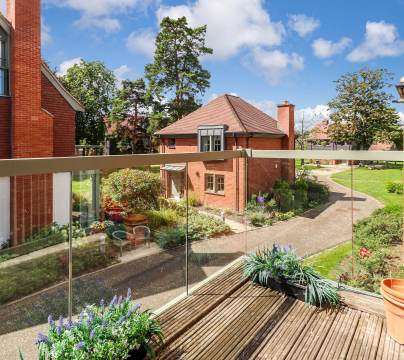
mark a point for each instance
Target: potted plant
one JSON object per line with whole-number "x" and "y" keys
{"x": 281, "y": 269}
{"x": 136, "y": 191}
{"x": 392, "y": 291}
{"x": 116, "y": 331}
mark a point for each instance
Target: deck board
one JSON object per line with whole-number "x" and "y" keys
{"x": 229, "y": 318}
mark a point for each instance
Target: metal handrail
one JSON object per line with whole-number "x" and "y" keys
{"x": 16, "y": 167}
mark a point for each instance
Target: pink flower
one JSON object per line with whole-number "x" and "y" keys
{"x": 363, "y": 252}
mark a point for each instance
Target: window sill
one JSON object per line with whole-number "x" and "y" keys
{"x": 214, "y": 193}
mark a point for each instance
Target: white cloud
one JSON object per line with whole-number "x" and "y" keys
{"x": 267, "y": 106}
{"x": 46, "y": 37}
{"x": 100, "y": 13}
{"x": 231, "y": 24}
{"x": 108, "y": 24}
{"x": 274, "y": 65}
{"x": 303, "y": 24}
{"x": 142, "y": 42}
{"x": 401, "y": 115}
{"x": 323, "y": 48}
{"x": 122, "y": 73}
{"x": 311, "y": 115}
{"x": 381, "y": 39}
{"x": 66, "y": 65}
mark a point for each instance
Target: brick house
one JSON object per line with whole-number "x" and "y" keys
{"x": 37, "y": 119}
{"x": 228, "y": 123}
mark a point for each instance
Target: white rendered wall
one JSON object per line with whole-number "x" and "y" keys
{"x": 61, "y": 198}
{"x": 4, "y": 209}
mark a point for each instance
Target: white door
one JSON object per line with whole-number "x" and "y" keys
{"x": 176, "y": 185}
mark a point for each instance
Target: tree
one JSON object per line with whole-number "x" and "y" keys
{"x": 129, "y": 114}
{"x": 361, "y": 113}
{"x": 176, "y": 77}
{"x": 94, "y": 86}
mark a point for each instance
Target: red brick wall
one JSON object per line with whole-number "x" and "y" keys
{"x": 233, "y": 171}
{"x": 31, "y": 128}
{"x": 286, "y": 119}
{"x": 64, "y": 119}
{"x": 262, "y": 173}
{"x": 5, "y": 104}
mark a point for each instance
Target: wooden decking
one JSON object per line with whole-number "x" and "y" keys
{"x": 230, "y": 318}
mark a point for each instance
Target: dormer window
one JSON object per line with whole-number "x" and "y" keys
{"x": 4, "y": 63}
{"x": 211, "y": 138}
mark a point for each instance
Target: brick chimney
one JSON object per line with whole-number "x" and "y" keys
{"x": 286, "y": 122}
{"x": 31, "y": 128}
{"x": 30, "y": 136}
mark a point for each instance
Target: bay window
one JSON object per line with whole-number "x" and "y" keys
{"x": 211, "y": 138}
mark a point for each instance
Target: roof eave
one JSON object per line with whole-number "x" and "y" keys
{"x": 73, "y": 102}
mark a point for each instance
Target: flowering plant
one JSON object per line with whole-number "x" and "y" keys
{"x": 363, "y": 252}
{"x": 102, "y": 332}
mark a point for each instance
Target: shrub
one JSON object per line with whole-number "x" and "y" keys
{"x": 257, "y": 218}
{"x": 301, "y": 188}
{"x": 202, "y": 226}
{"x": 80, "y": 202}
{"x": 317, "y": 192}
{"x": 283, "y": 195}
{"x": 193, "y": 200}
{"x": 394, "y": 187}
{"x": 102, "y": 332}
{"x": 135, "y": 190}
{"x": 381, "y": 229}
{"x": 282, "y": 264}
{"x": 162, "y": 217}
{"x": 284, "y": 216}
{"x": 169, "y": 238}
{"x": 114, "y": 227}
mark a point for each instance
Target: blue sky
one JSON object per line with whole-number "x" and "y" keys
{"x": 264, "y": 51}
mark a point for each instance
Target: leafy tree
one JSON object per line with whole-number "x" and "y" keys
{"x": 129, "y": 114}
{"x": 176, "y": 77}
{"x": 94, "y": 86}
{"x": 361, "y": 111}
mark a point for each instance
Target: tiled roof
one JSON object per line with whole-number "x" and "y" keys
{"x": 237, "y": 114}
{"x": 320, "y": 131}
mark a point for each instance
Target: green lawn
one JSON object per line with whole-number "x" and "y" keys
{"x": 373, "y": 183}
{"x": 307, "y": 165}
{"x": 328, "y": 261}
{"x": 82, "y": 187}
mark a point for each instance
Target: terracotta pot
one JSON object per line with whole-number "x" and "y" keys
{"x": 392, "y": 291}
{"x": 133, "y": 219}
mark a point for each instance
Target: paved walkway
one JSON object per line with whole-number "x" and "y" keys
{"x": 158, "y": 276}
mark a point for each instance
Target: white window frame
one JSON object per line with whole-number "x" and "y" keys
{"x": 5, "y": 62}
{"x": 211, "y": 132}
{"x": 215, "y": 184}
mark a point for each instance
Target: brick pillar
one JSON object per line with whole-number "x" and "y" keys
{"x": 31, "y": 128}
{"x": 286, "y": 122}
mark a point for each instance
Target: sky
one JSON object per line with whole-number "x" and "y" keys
{"x": 264, "y": 51}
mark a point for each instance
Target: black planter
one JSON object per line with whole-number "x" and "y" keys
{"x": 139, "y": 354}
{"x": 295, "y": 290}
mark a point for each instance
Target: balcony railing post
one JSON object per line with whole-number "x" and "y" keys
{"x": 352, "y": 221}
{"x": 186, "y": 228}
{"x": 70, "y": 299}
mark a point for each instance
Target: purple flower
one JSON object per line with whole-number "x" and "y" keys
{"x": 121, "y": 320}
{"x": 58, "y": 330}
{"x": 51, "y": 322}
{"x": 92, "y": 334}
{"x": 102, "y": 303}
{"x": 113, "y": 301}
{"x": 260, "y": 199}
{"x": 129, "y": 294}
{"x": 69, "y": 325}
{"x": 134, "y": 309}
{"x": 61, "y": 321}
{"x": 80, "y": 345}
{"x": 41, "y": 339}
{"x": 119, "y": 300}
{"x": 104, "y": 323}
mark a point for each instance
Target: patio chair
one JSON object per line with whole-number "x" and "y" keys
{"x": 123, "y": 238}
{"x": 142, "y": 232}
